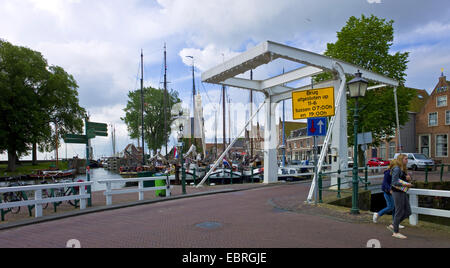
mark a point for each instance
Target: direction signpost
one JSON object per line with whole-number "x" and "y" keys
{"x": 92, "y": 130}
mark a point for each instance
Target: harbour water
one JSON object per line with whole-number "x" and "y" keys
{"x": 97, "y": 174}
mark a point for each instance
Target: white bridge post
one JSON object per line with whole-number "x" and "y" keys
{"x": 270, "y": 143}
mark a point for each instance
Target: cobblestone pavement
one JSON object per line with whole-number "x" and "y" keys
{"x": 266, "y": 217}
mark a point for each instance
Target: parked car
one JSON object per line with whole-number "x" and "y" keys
{"x": 416, "y": 161}
{"x": 377, "y": 162}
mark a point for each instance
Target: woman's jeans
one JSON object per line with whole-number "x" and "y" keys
{"x": 390, "y": 206}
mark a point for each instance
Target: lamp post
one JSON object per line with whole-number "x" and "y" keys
{"x": 357, "y": 88}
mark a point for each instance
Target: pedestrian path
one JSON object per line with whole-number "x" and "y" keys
{"x": 267, "y": 217}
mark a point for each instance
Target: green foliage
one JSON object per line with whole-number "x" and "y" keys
{"x": 33, "y": 95}
{"x": 60, "y": 101}
{"x": 154, "y": 134}
{"x": 366, "y": 42}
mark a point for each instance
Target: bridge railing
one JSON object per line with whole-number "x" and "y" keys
{"x": 342, "y": 174}
{"x": 416, "y": 210}
{"x": 39, "y": 200}
{"x": 140, "y": 190}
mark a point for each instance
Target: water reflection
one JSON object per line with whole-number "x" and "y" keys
{"x": 102, "y": 174}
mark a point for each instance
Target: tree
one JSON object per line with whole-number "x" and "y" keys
{"x": 60, "y": 104}
{"x": 366, "y": 42}
{"x": 23, "y": 71}
{"x": 32, "y": 96}
{"x": 155, "y": 137}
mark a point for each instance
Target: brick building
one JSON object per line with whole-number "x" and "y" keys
{"x": 390, "y": 146}
{"x": 433, "y": 124}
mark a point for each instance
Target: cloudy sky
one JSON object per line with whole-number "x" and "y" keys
{"x": 99, "y": 43}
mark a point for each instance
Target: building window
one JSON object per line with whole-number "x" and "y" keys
{"x": 447, "y": 117}
{"x": 441, "y": 101}
{"x": 442, "y": 145}
{"x": 392, "y": 150}
{"x": 424, "y": 143}
{"x": 442, "y": 89}
{"x": 383, "y": 150}
{"x": 432, "y": 119}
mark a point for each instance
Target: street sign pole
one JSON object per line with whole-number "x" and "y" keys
{"x": 315, "y": 167}
{"x": 92, "y": 130}
{"x": 88, "y": 176}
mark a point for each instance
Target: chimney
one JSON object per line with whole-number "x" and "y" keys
{"x": 442, "y": 79}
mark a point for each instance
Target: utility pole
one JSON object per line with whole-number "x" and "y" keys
{"x": 142, "y": 105}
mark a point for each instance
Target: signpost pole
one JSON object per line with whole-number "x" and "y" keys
{"x": 88, "y": 176}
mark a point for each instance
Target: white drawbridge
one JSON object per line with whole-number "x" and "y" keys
{"x": 275, "y": 91}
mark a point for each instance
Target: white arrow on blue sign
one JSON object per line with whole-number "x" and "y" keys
{"x": 317, "y": 126}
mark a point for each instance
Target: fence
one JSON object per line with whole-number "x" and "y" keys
{"x": 38, "y": 201}
{"x": 365, "y": 180}
{"x": 416, "y": 210}
{"x": 140, "y": 190}
{"x": 442, "y": 167}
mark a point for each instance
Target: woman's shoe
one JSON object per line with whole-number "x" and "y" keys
{"x": 399, "y": 236}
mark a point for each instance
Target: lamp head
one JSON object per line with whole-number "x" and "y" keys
{"x": 358, "y": 86}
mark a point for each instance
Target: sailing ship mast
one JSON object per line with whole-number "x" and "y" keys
{"x": 224, "y": 111}
{"x": 165, "y": 94}
{"x": 251, "y": 112}
{"x": 142, "y": 105}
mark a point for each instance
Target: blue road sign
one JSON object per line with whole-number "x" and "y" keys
{"x": 317, "y": 126}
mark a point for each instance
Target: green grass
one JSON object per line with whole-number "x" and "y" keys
{"x": 28, "y": 168}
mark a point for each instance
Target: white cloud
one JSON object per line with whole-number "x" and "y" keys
{"x": 206, "y": 58}
{"x": 99, "y": 41}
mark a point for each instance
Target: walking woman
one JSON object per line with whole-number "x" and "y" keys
{"x": 386, "y": 188}
{"x": 400, "y": 185}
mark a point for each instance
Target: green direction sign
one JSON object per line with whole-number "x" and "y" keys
{"x": 97, "y": 126}
{"x": 101, "y": 133}
{"x": 76, "y": 139}
{"x": 91, "y": 133}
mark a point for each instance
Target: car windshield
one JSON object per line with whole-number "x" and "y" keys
{"x": 420, "y": 157}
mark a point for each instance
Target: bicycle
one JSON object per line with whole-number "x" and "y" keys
{"x": 66, "y": 191}
{"x": 20, "y": 196}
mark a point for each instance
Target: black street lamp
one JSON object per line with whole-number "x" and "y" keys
{"x": 357, "y": 88}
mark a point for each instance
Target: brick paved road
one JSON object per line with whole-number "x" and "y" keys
{"x": 250, "y": 219}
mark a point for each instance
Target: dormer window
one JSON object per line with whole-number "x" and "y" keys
{"x": 442, "y": 89}
{"x": 441, "y": 101}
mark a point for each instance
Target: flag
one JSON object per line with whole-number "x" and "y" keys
{"x": 175, "y": 153}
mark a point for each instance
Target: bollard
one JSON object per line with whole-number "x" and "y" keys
{"x": 320, "y": 188}
{"x": 339, "y": 187}
{"x": 442, "y": 172}
{"x": 193, "y": 175}
{"x": 231, "y": 176}
{"x": 251, "y": 173}
{"x": 1, "y": 210}
{"x": 426, "y": 174}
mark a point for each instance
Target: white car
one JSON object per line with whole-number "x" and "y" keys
{"x": 416, "y": 161}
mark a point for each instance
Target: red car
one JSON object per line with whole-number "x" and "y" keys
{"x": 377, "y": 162}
